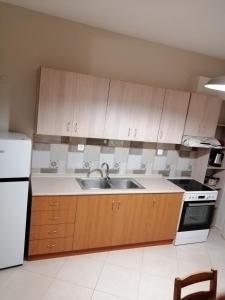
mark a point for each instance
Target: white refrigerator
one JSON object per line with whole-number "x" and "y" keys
{"x": 15, "y": 160}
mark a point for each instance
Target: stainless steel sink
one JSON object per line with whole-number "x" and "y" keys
{"x": 114, "y": 183}
{"x": 125, "y": 183}
{"x": 93, "y": 184}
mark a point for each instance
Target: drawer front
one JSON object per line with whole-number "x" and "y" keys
{"x": 52, "y": 217}
{"x": 38, "y": 247}
{"x": 53, "y": 203}
{"x": 39, "y": 232}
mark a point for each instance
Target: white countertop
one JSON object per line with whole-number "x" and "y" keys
{"x": 67, "y": 185}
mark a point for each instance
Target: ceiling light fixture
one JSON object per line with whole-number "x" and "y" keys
{"x": 217, "y": 84}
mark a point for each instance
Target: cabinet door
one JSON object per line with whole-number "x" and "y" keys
{"x": 133, "y": 111}
{"x": 133, "y": 218}
{"x": 93, "y": 225}
{"x": 56, "y": 102}
{"x": 203, "y": 114}
{"x": 166, "y": 215}
{"x": 173, "y": 117}
{"x": 90, "y": 106}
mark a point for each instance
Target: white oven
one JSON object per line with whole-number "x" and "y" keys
{"x": 196, "y": 213}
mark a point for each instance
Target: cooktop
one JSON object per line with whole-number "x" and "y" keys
{"x": 190, "y": 185}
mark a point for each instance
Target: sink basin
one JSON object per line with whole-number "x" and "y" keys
{"x": 114, "y": 183}
{"x": 125, "y": 183}
{"x": 92, "y": 184}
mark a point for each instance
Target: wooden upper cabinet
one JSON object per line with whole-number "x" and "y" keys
{"x": 203, "y": 114}
{"x": 56, "y": 102}
{"x": 133, "y": 111}
{"x": 71, "y": 104}
{"x": 173, "y": 116}
{"x": 90, "y": 106}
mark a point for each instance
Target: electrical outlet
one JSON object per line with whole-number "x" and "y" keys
{"x": 159, "y": 152}
{"x": 80, "y": 147}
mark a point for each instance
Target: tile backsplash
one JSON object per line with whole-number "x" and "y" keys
{"x": 59, "y": 155}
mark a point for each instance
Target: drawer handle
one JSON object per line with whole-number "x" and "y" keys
{"x": 53, "y": 231}
{"x": 51, "y": 245}
{"x": 53, "y": 204}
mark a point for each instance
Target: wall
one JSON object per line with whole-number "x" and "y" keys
{"x": 30, "y": 39}
{"x": 61, "y": 155}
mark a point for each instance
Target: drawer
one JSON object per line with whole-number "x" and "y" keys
{"x": 53, "y": 203}
{"x": 52, "y": 217}
{"x": 39, "y": 232}
{"x": 38, "y": 247}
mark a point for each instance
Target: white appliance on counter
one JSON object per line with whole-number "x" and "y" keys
{"x": 196, "y": 213}
{"x": 15, "y": 160}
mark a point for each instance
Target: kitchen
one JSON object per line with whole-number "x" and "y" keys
{"x": 132, "y": 153}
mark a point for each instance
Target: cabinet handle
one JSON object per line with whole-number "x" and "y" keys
{"x": 135, "y": 132}
{"x": 129, "y": 132}
{"x": 53, "y": 231}
{"x": 51, "y": 245}
{"x": 113, "y": 202}
{"x": 118, "y": 205}
{"x": 68, "y": 127}
{"x": 160, "y": 134}
{"x": 75, "y": 127}
{"x": 154, "y": 203}
{"x": 53, "y": 204}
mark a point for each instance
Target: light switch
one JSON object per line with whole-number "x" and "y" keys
{"x": 80, "y": 147}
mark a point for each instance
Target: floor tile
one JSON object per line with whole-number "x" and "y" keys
{"x": 67, "y": 291}
{"x": 129, "y": 258}
{"x": 192, "y": 258}
{"x": 81, "y": 270}
{"x": 217, "y": 257}
{"x": 221, "y": 282}
{"x": 155, "y": 287}
{"x": 48, "y": 267}
{"x": 160, "y": 261}
{"x": 103, "y": 296}
{"x": 119, "y": 281}
{"x": 24, "y": 285}
{"x": 6, "y": 274}
{"x": 99, "y": 256}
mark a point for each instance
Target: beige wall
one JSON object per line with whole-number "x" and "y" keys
{"x": 30, "y": 39}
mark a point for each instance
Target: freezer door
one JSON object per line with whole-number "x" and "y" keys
{"x": 15, "y": 158}
{"x": 13, "y": 212}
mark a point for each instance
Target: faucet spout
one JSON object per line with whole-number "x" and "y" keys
{"x": 106, "y": 171}
{"x": 95, "y": 170}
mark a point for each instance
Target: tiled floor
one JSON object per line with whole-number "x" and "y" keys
{"x": 141, "y": 273}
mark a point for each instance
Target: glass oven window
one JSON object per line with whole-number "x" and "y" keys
{"x": 196, "y": 215}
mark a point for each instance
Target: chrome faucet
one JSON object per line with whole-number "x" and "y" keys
{"x": 106, "y": 171}
{"x": 95, "y": 170}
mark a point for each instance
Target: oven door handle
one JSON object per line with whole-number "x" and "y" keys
{"x": 201, "y": 204}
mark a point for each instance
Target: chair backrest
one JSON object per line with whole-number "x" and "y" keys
{"x": 195, "y": 278}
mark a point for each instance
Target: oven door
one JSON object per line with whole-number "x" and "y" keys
{"x": 196, "y": 215}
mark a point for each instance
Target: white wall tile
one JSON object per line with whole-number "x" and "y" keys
{"x": 134, "y": 162}
{"x": 40, "y": 159}
{"x": 75, "y": 160}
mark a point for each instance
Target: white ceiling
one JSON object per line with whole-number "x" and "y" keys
{"x": 195, "y": 25}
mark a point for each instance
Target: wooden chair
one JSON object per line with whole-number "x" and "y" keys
{"x": 196, "y": 278}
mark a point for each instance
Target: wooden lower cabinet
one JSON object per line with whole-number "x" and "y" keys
{"x": 94, "y": 221}
{"x": 52, "y": 224}
{"x": 98, "y": 221}
{"x": 112, "y": 220}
